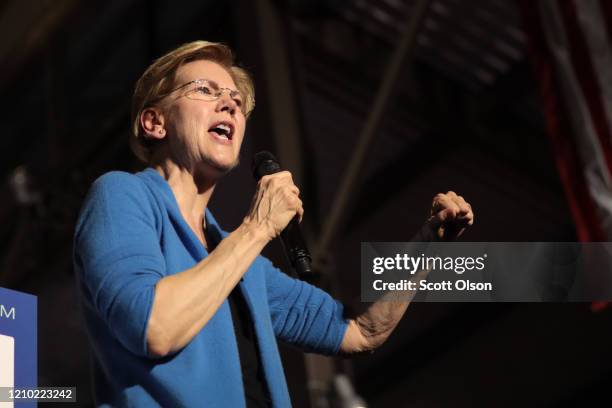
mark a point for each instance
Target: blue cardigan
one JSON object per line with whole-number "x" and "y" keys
{"x": 129, "y": 235}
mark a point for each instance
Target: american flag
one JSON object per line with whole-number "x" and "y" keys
{"x": 570, "y": 44}
{"x": 571, "y": 47}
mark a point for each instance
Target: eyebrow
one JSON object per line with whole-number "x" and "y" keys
{"x": 212, "y": 83}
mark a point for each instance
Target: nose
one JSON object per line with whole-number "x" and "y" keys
{"x": 226, "y": 103}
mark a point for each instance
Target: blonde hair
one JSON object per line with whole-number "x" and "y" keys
{"x": 158, "y": 80}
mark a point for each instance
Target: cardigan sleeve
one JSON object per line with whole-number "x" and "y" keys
{"x": 118, "y": 258}
{"x": 302, "y": 314}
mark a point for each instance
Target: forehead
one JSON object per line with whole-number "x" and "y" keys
{"x": 203, "y": 69}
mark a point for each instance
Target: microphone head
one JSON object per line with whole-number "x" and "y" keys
{"x": 264, "y": 163}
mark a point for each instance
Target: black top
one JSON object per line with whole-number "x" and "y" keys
{"x": 255, "y": 387}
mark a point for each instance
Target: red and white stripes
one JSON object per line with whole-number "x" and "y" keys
{"x": 570, "y": 42}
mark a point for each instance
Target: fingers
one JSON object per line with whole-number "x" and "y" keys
{"x": 452, "y": 205}
{"x": 445, "y": 208}
{"x": 281, "y": 186}
{"x": 279, "y": 178}
{"x": 446, "y": 215}
{"x": 275, "y": 203}
{"x": 469, "y": 218}
{"x": 294, "y": 201}
{"x": 450, "y": 215}
{"x": 466, "y": 214}
{"x": 300, "y": 212}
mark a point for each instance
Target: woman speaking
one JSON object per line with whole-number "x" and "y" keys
{"x": 178, "y": 311}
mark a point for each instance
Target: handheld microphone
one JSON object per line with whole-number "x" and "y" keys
{"x": 265, "y": 163}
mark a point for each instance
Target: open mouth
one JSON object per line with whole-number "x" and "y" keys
{"x": 224, "y": 130}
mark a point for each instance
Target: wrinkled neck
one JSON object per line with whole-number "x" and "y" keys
{"x": 192, "y": 191}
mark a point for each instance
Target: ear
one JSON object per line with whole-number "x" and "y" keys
{"x": 152, "y": 122}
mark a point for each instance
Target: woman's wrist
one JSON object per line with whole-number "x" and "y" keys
{"x": 256, "y": 231}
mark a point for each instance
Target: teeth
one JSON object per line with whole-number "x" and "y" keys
{"x": 223, "y": 130}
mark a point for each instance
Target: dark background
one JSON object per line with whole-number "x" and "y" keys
{"x": 464, "y": 115}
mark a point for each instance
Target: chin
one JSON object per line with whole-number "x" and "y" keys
{"x": 220, "y": 168}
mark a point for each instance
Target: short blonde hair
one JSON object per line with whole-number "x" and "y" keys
{"x": 158, "y": 80}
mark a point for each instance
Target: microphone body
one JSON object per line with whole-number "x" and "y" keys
{"x": 265, "y": 163}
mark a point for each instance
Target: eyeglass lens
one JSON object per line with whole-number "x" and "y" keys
{"x": 210, "y": 90}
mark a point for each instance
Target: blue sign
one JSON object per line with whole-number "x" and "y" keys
{"x": 18, "y": 358}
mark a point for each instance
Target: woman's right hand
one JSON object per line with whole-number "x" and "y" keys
{"x": 275, "y": 203}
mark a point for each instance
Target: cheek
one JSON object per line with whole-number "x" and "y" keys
{"x": 240, "y": 128}
{"x": 188, "y": 125}
{"x": 239, "y": 136}
{"x": 174, "y": 122}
